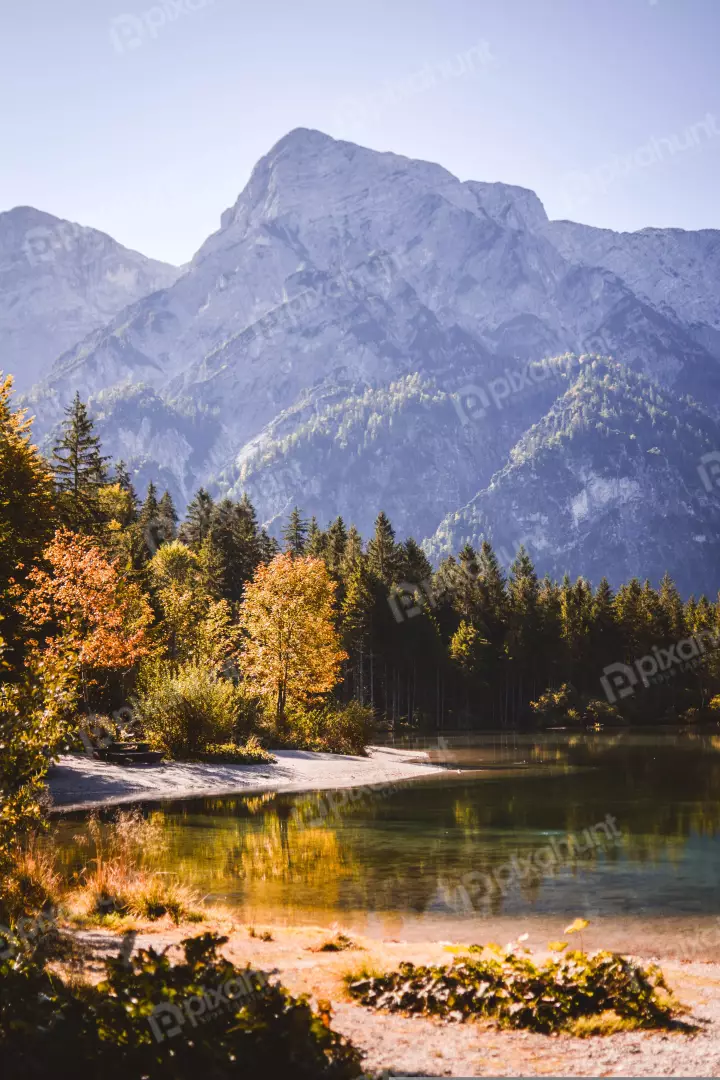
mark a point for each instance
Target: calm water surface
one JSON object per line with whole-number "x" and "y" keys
{"x": 405, "y": 852}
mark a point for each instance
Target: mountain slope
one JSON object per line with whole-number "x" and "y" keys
{"x": 58, "y": 282}
{"x": 608, "y": 482}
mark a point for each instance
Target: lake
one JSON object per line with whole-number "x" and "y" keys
{"x": 551, "y": 826}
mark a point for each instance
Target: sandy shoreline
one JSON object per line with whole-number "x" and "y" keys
{"x": 79, "y": 783}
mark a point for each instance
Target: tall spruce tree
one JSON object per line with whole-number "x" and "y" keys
{"x": 79, "y": 468}
{"x": 316, "y": 543}
{"x": 167, "y": 519}
{"x": 295, "y": 533}
{"x": 336, "y": 543}
{"x": 149, "y": 523}
{"x": 237, "y": 548}
{"x": 382, "y": 553}
{"x": 196, "y": 525}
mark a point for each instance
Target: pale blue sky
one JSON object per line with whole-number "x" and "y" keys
{"x": 150, "y": 133}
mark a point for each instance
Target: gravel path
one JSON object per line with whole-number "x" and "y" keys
{"x": 79, "y": 782}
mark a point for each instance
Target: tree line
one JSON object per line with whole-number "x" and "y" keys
{"x": 465, "y": 645}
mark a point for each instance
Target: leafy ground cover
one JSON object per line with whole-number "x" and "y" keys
{"x": 572, "y": 992}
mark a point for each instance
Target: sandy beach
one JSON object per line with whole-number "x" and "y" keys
{"x": 78, "y": 782}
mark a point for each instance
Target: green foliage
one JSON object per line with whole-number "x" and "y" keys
{"x": 251, "y": 752}
{"x": 564, "y": 706}
{"x": 26, "y": 513}
{"x": 34, "y": 716}
{"x": 105, "y": 1031}
{"x": 510, "y": 988}
{"x": 332, "y": 728}
{"x": 187, "y": 708}
{"x": 80, "y": 469}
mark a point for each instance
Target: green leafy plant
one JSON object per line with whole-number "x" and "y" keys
{"x": 106, "y": 1031}
{"x": 184, "y": 709}
{"x": 251, "y": 752}
{"x": 332, "y": 728}
{"x": 509, "y": 987}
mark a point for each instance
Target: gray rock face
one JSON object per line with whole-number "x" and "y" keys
{"x": 59, "y": 281}
{"x": 365, "y": 331}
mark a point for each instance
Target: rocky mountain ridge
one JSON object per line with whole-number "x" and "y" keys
{"x": 360, "y": 333}
{"x": 58, "y": 282}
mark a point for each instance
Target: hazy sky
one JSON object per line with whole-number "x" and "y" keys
{"x": 145, "y": 120}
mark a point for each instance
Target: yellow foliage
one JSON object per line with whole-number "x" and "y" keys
{"x": 291, "y": 650}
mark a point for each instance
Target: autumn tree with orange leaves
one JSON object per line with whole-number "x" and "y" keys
{"x": 291, "y": 652}
{"x": 87, "y": 612}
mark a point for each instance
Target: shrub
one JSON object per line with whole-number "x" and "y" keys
{"x": 510, "y": 988}
{"x": 252, "y": 752}
{"x": 332, "y": 728}
{"x": 185, "y": 709}
{"x": 47, "y": 1025}
{"x": 565, "y": 706}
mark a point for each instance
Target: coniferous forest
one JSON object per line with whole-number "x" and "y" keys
{"x": 136, "y": 603}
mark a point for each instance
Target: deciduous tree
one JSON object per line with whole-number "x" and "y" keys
{"x": 291, "y": 651}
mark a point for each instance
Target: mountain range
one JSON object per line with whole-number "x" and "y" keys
{"x": 58, "y": 282}
{"x": 366, "y": 331}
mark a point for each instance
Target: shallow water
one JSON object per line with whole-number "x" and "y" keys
{"x": 516, "y": 814}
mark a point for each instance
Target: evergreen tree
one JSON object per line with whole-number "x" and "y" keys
{"x": 268, "y": 547}
{"x": 356, "y": 625}
{"x": 353, "y": 551}
{"x": 237, "y": 548}
{"x": 336, "y": 542}
{"x": 382, "y": 552}
{"x": 197, "y": 520}
{"x": 413, "y": 564}
{"x": 149, "y": 523}
{"x": 295, "y": 533}
{"x": 316, "y": 543}
{"x": 79, "y": 469}
{"x": 167, "y": 519}
{"x": 493, "y": 599}
{"x": 672, "y": 610}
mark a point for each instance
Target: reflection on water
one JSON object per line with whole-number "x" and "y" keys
{"x": 474, "y": 840}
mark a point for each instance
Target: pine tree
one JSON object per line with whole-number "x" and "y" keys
{"x": 268, "y": 547}
{"x": 196, "y": 526}
{"x": 605, "y": 644}
{"x": 336, "y": 542}
{"x": 672, "y": 609}
{"x": 382, "y": 553}
{"x": 234, "y": 536}
{"x": 413, "y": 564}
{"x": 353, "y": 551}
{"x": 316, "y": 543}
{"x": 167, "y": 519}
{"x": 493, "y": 592}
{"x": 356, "y": 624}
{"x": 79, "y": 469}
{"x": 149, "y": 523}
{"x": 295, "y": 533}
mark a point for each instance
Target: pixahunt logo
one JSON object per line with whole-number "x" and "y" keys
{"x": 169, "y": 1018}
{"x": 621, "y": 680}
{"x": 473, "y": 402}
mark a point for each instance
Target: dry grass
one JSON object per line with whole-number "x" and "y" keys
{"x": 32, "y": 885}
{"x": 115, "y": 882}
